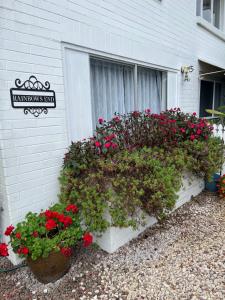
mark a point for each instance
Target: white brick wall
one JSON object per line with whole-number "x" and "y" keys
{"x": 162, "y": 33}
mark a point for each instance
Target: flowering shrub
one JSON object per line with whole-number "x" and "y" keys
{"x": 221, "y": 186}
{"x": 136, "y": 130}
{"x": 136, "y": 161}
{"x": 146, "y": 178}
{"x": 56, "y": 229}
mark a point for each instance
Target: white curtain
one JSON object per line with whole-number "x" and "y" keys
{"x": 149, "y": 89}
{"x": 112, "y": 89}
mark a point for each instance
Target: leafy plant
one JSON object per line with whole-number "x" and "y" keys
{"x": 135, "y": 163}
{"x": 54, "y": 230}
{"x": 134, "y": 131}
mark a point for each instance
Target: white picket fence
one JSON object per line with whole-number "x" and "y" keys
{"x": 219, "y": 131}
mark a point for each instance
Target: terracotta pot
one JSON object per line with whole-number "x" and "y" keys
{"x": 51, "y": 268}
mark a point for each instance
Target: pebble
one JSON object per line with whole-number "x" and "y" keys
{"x": 180, "y": 259}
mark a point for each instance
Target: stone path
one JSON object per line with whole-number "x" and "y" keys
{"x": 182, "y": 258}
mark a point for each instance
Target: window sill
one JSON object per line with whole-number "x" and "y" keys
{"x": 209, "y": 27}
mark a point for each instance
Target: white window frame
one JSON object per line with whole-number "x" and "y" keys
{"x": 222, "y": 6}
{"x": 135, "y": 66}
{"x": 78, "y": 102}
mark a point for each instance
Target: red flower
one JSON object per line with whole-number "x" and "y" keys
{"x": 100, "y": 120}
{"x": 72, "y": 207}
{"x": 61, "y": 218}
{"x": 88, "y": 239}
{"x": 35, "y": 234}
{"x": 9, "y": 230}
{"x": 4, "y": 249}
{"x": 182, "y": 130}
{"x": 18, "y": 235}
{"x": 55, "y": 214}
{"x": 148, "y": 110}
{"x": 67, "y": 221}
{"x": 98, "y": 144}
{"x": 50, "y": 224}
{"x": 192, "y": 137}
{"x": 114, "y": 145}
{"x": 23, "y": 250}
{"x": 66, "y": 251}
{"x": 107, "y": 145}
{"x": 48, "y": 214}
{"x": 110, "y": 137}
{"x": 194, "y": 114}
{"x": 199, "y": 131}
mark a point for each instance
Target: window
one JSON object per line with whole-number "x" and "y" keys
{"x": 211, "y": 96}
{"x": 118, "y": 87}
{"x": 211, "y": 10}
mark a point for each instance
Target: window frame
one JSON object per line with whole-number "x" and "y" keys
{"x": 221, "y": 16}
{"x": 74, "y": 56}
{"x": 135, "y": 66}
{"x": 214, "y": 92}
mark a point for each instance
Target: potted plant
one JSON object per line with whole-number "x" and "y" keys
{"x": 45, "y": 240}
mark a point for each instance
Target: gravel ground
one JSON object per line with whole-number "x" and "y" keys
{"x": 182, "y": 258}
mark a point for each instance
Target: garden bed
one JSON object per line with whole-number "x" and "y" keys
{"x": 115, "y": 237}
{"x": 133, "y": 168}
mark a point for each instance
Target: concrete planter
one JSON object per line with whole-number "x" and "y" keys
{"x": 115, "y": 237}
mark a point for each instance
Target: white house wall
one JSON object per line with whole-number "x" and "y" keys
{"x": 33, "y": 38}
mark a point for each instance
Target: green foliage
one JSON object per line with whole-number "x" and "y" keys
{"x": 205, "y": 158}
{"x": 132, "y": 180}
{"x": 35, "y": 238}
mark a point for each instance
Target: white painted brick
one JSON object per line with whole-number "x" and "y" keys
{"x": 162, "y": 33}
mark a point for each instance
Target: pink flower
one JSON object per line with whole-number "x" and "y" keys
{"x": 107, "y": 145}
{"x": 192, "y": 137}
{"x": 100, "y": 120}
{"x": 191, "y": 125}
{"x": 110, "y": 137}
{"x": 182, "y": 130}
{"x": 116, "y": 119}
{"x": 147, "y": 111}
{"x": 114, "y": 145}
{"x": 194, "y": 114}
{"x": 199, "y": 131}
{"x": 135, "y": 114}
{"x": 98, "y": 144}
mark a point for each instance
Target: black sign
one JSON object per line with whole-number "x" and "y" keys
{"x": 33, "y": 96}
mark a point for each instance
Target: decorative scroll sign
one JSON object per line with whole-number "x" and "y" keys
{"x": 33, "y": 96}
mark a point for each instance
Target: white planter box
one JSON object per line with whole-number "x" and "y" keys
{"x": 115, "y": 237}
